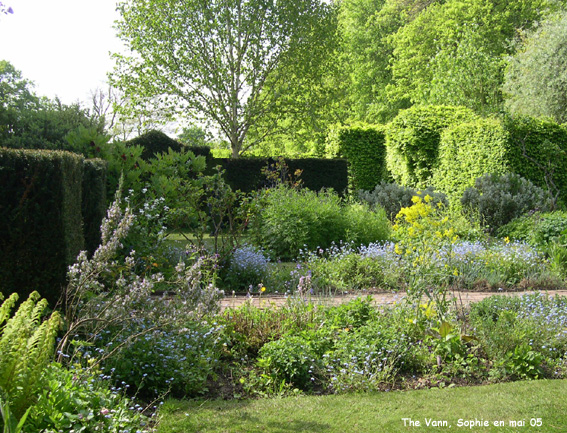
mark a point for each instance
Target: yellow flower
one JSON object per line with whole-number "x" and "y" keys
{"x": 507, "y": 239}
{"x": 263, "y": 289}
{"x": 397, "y": 249}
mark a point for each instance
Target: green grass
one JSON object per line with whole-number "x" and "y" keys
{"x": 379, "y": 412}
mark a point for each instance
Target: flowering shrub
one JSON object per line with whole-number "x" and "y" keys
{"x": 112, "y": 305}
{"x": 365, "y": 359}
{"x": 462, "y": 264}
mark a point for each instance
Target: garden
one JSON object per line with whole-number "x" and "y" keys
{"x": 229, "y": 279}
{"x": 138, "y": 328}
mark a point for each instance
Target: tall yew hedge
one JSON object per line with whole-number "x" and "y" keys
{"x": 40, "y": 219}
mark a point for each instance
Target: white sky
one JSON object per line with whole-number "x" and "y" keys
{"x": 61, "y": 45}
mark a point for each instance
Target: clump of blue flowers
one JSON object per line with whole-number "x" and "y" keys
{"x": 249, "y": 266}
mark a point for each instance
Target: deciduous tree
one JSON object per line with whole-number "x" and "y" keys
{"x": 216, "y": 59}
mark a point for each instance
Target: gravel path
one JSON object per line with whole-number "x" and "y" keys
{"x": 384, "y": 298}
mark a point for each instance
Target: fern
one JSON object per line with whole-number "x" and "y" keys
{"x": 27, "y": 343}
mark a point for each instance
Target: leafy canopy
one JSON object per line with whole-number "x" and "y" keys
{"x": 212, "y": 59}
{"x": 536, "y": 78}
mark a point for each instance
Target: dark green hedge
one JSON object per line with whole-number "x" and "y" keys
{"x": 412, "y": 141}
{"x": 40, "y": 220}
{"x": 200, "y": 151}
{"x": 364, "y": 148}
{"x": 93, "y": 201}
{"x": 470, "y": 150}
{"x": 246, "y": 175}
{"x": 154, "y": 142}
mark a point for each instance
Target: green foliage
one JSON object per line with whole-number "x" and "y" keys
{"x": 291, "y": 220}
{"x": 123, "y": 160}
{"x": 536, "y": 77}
{"x": 522, "y": 334}
{"x": 249, "y": 328}
{"x": 366, "y": 27}
{"x": 392, "y": 197}
{"x": 153, "y": 143}
{"x": 538, "y": 229}
{"x": 468, "y": 74}
{"x": 27, "y": 344}
{"x": 523, "y": 363}
{"x": 11, "y": 424}
{"x": 353, "y": 348}
{"x": 193, "y": 135}
{"x": 178, "y": 358}
{"x": 363, "y": 147}
{"x": 539, "y": 153}
{"x": 293, "y": 358}
{"x": 412, "y": 141}
{"x": 29, "y": 122}
{"x": 534, "y": 149}
{"x": 365, "y": 225}
{"x": 345, "y": 269}
{"x": 41, "y": 233}
{"x": 458, "y": 44}
{"x": 468, "y": 151}
{"x": 79, "y": 399}
{"x": 499, "y": 199}
{"x": 261, "y": 54}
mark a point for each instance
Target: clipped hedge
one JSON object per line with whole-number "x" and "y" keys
{"x": 154, "y": 142}
{"x": 364, "y": 147}
{"x": 93, "y": 207}
{"x": 413, "y": 139}
{"x": 246, "y": 174}
{"x": 470, "y": 150}
{"x": 40, "y": 219}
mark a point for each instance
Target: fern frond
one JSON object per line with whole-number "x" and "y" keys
{"x": 26, "y": 347}
{"x": 6, "y": 308}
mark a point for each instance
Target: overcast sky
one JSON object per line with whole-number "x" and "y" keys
{"x": 61, "y": 45}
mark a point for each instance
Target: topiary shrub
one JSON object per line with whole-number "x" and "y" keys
{"x": 534, "y": 149}
{"x": 393, "y": 197}
{"x": 498, "y": 199}
{"x": 412, "y": 141}
{"x": 154, "y": 142}
{"x": 364, "y": 148}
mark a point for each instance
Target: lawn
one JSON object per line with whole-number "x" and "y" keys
{"x": 541, "y": 403}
